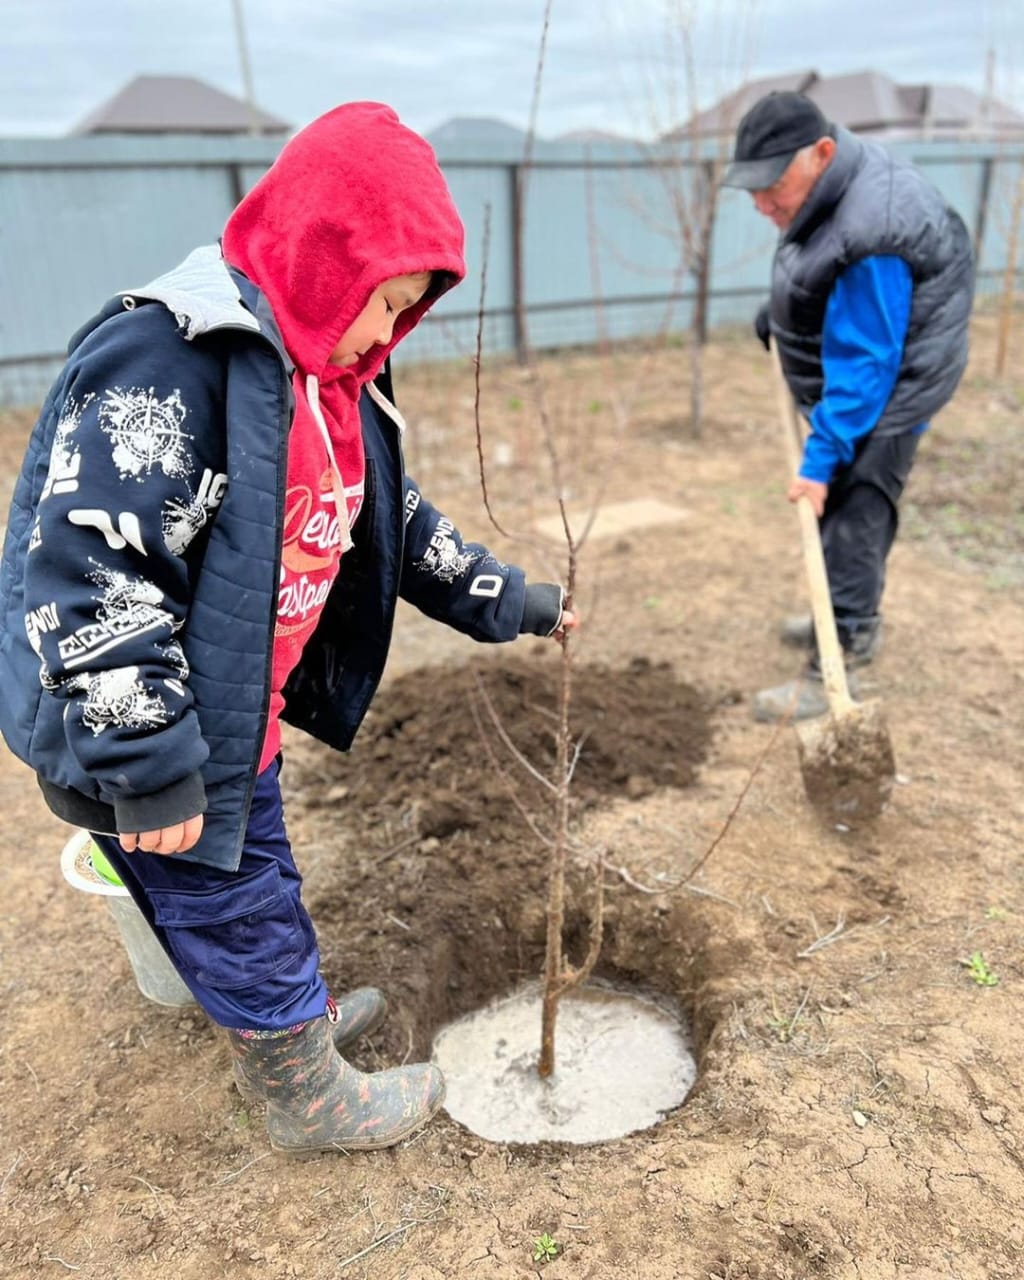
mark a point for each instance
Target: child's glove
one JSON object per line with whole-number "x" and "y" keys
{"x": 542, "y": 609}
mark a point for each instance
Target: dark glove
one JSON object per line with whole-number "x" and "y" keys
{"x": 763, "y": 325}
{"x": 542, "y": 609}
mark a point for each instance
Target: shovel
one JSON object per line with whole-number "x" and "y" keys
{"x": 846, "y": 757}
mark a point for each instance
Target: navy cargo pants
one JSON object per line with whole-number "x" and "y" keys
{"x": 858, "y": 528}
{"x": 241, "y": 940}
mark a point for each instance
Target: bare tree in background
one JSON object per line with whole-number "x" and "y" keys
{"x": 690, "y": 158}
{"x": 1008, "y": 290}
{"x": 1003, "y": 179}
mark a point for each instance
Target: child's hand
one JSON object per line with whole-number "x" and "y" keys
{"x": 569, "y": 621}
{"x": 175, "y": 839}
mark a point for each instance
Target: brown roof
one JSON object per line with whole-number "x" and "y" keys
{"x": 726, "y": 114}
{"x": 868, "y": 102}
{"x": 177, "y": 104}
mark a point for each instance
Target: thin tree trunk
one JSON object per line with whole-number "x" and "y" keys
{"x": 696, "y": 384}
{"x": 554, "y": 974}
{"x": 1008, "y": 294}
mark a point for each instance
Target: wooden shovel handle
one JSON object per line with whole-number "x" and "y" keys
{"x": 833, "y": 668}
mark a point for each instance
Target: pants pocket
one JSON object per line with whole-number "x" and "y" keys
{"x": 231, "y": 936}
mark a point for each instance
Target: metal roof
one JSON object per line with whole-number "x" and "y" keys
{"x": 177, "y": 104}
{"x": 869, "y": 102}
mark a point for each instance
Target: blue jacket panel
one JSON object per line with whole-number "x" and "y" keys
{"x": 138, "y": 585}
{"x": 865, "y": 328}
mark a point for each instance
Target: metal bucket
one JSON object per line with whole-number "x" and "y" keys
{"x": 85, "y": 868}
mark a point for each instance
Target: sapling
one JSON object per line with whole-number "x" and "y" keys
{"x": 560, "y": 976}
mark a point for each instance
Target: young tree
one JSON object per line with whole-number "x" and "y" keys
{"x": 689, "y": 158}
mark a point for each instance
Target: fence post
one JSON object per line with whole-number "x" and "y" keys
{"x": 235, "y": 183}
{"x": 981, "y": 214}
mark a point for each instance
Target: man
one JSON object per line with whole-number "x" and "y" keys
{"x": 871, "y": 294}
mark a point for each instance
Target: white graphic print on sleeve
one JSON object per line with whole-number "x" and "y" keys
{"x": 118, "y": 698}
{"x": 175, "y": 657}
{"x": 127, "y": 529}
{"x": 183, "y": 520}
{"x": 146, "y": 432}
{"x": 65, "y": 460}
{"x": 127, "y": 607}
{"x": 443, "y": 558}
{"x": 38, "y": 623}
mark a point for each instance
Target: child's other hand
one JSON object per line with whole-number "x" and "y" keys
{"x": 569, "y": 621}
{"x": 176, "y": 839}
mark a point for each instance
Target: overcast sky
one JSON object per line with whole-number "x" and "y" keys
{"x": 609, "y": 62}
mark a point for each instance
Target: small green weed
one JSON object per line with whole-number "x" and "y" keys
{"x": 996, "y": 913}
{"x": 514, "y": 403}
{"x": 979, "y": 970}
{"x": 783, "y": 1027}
{"x": 544, "y": 1249}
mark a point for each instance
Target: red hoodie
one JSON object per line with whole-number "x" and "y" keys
{"x": 353, "y": 200}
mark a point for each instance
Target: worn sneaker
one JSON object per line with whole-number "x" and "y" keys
{"x": 802, "y": 699}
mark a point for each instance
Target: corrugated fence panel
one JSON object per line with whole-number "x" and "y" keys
{"x": 1005, "y": 196}
{"x": 449, "y": 332}
{"x": 598, "y": 254}
{"x": 106, "y": 232}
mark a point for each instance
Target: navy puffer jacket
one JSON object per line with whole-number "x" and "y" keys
{"x": 135, "y": 644}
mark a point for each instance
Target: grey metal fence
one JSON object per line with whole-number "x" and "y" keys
{"x": 583, "y": 244}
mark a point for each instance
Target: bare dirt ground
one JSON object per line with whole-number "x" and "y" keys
{"x": 859, "y": 1109}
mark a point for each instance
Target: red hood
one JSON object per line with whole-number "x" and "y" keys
{"x": 354, "y": 199}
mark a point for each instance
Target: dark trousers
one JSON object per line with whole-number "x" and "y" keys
{"x": 241, "y": 940}
{"x": 859, "y": 526}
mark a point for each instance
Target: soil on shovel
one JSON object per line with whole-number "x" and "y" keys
{"x": 847, "y": 764}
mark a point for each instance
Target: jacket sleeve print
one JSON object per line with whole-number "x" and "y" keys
{"x": 458, "y": 583}
{"x": 107, "y": 572}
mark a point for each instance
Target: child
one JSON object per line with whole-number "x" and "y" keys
{"x": 209, "y": 534}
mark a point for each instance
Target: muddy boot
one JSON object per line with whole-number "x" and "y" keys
{"x": 317, "y": 1102}
{"x": 861, "y": 646}
{"x": 861, "y": 641}
{"x": 797, "y": 631}
{"x": 354, "y": 1015}
{"x": 802, "y": 699}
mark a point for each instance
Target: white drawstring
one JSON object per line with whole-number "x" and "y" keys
{"x": 381, "y": 400}
{"x": 337, "y": 480}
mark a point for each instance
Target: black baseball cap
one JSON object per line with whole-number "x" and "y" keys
{"x": 775, "y": 128}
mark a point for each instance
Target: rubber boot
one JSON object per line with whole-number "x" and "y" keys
{"x": 354, "y": 1015}
{"x": 317, "y": 1102}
